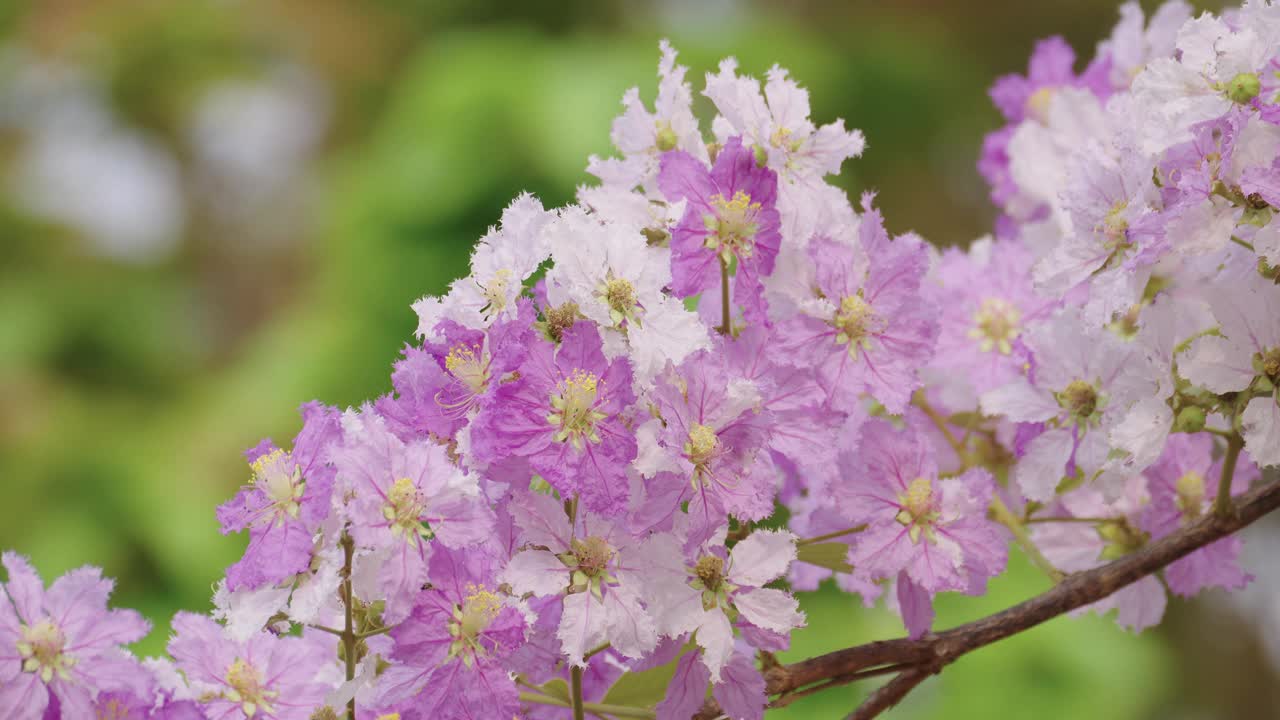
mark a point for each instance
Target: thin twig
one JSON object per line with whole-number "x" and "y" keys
{"x": 1001, "y": 514}
{"x": 890, "y": 694}
{"x": 832, "y": 535}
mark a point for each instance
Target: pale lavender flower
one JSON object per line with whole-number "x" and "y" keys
{"x": 62, "y": 647}
{"x": 708, "y": 591}
{"x": 1183, "y": 485}
{"x": 595, "y": 565}
{"x": 265, "y": 676}
{"x": 406, "y": 497}
{"x": 1244, "y": 355}
{"x": 1083, "y": 385}
{"x": 867, "y": 328}
{"x": 985, "y": 302}
{"x": 931, "y": 533}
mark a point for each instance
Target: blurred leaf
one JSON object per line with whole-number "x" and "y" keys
{"x": 646, "y": 688}
{"x": 831, "y": 555}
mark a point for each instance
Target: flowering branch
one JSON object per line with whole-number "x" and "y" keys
{"x": 931, "y": 653}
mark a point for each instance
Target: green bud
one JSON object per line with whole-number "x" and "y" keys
{"x": 762, "y": 155}
{"x": 1190, "y": 419}
{"x": 1264, "y": 385}
{"x": 1243, "y": 88}
{"x": 666, "y": 139}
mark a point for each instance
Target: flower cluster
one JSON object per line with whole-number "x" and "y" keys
{"x": 643, "y": 421}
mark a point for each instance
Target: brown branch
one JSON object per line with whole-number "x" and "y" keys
{"x": 928, "y": 655}
{"x": 888, "y": 695}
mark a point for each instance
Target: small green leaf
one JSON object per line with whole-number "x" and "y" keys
{"x": 646, "y": 688}
{"x": 830, "y": 555}
{"x": 556, "y": 688}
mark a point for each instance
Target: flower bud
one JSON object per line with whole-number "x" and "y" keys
{"x": 1190, "y": 419}
{"x": 1243, "y": 88}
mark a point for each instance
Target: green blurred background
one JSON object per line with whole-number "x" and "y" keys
{"x": 214, "y": 210}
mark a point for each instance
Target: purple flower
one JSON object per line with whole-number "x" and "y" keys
{"x": 595, "y": 565}
{"x": 62, "y": 646}
{"x": 440, "y": 386}
{"x": 565, "y": 414}
{"x": 985, "y": 304}
{"x": 284, "y": 503}
{"x": 265, "y": 676}
{"x": 406, "y": 495}
{"x": 449, "y": 654}
{"x": 1182, "y": 484}
{"x": 713, "y": 433}
{"x": 933, "y": 531}
{"x": 730, "y": 216}
{"x": 867, "y": 328}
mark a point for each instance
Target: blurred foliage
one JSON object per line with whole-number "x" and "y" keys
{"x": 130, "y": 388}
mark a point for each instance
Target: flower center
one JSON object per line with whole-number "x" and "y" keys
{"x": 558, "y": 319}
{"x": 853, "y": 323}
{"x": 470, "y": 619}
{"x": 701, "y": 446}
{"x": 732, "y": 229}
{"x": 1080, "y": 399}
{"x": 403, "y": 510}
{"x": 781, "y": 139}
{"x": 1038, "y": 104}
{"x": 246, "y": 688}
{"x": 996, "y": 325}
{"x": 620, "y": 295}
{"x": 495, "y": 292}
{"x": 710, "y": 580}
{"x": 710, "y": 572}
{"x": 40, "y": 647}
{"x": 469, "y": 367}
{"x": 589, "y": 561}
{"x": 1190, "y": 492}
{"x": 919, "y": 510}
{"x": 273, "y": 474}
{"x": 573, "y": 409}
